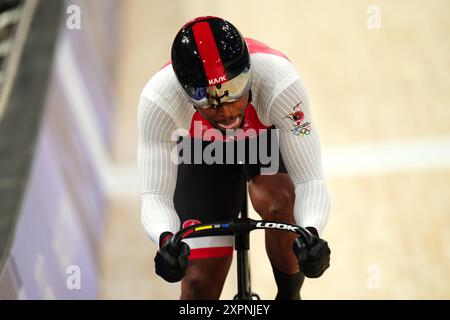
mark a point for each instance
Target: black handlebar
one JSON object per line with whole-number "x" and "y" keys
{"x": 241, "y": 225}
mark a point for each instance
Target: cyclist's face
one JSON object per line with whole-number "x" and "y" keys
{"x": 227, "y": 116}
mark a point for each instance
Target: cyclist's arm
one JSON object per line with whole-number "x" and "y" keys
{"x": 302, "y": 156}
{"x": 158, "y": 172}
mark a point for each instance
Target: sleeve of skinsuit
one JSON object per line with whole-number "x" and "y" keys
{"x": 301, "y": 153}
{"x": 158, "y": 172}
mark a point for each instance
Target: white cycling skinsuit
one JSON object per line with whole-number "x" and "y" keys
{"x": 279, "y": 98}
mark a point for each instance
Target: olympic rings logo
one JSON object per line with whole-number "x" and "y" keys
{"x": 302, "y": 131}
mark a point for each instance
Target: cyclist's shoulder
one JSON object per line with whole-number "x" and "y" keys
{"x": 161, "y": 85}
{"x": 161, "y": 99}
{"x": 263, "y": 56}
{"x": 273, "y": 72}
{"x": 270, "y": 66}
{"x": 256, "y": 47}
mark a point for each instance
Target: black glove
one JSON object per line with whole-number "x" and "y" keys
{"x": 171, "y": 263}
{"x": 313, "y": 259}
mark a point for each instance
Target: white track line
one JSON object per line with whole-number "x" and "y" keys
{"x": 387, "y": 157}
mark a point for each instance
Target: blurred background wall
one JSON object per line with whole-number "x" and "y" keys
{"x": 59, "y": 115}
{"x": 377, "y": 73}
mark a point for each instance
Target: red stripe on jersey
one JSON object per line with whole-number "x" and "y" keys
{"x": 255, "y": 46}
{"x": 209, "y": 54}
{"x": 215, "y": 252}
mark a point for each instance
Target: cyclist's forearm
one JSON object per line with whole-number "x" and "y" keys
{"x": 303, "y": 162}
{"x": 158, "y": 215}
{"x": 312, "y": 204}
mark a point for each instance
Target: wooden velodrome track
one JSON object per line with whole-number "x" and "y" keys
{"x": 380, "y": 100}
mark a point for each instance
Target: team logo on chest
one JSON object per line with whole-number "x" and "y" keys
{"x": 297, "y": 116}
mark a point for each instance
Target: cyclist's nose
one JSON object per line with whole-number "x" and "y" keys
{"x": 226, "y": 111}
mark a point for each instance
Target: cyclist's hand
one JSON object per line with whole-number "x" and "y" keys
{"x": 314, "y": 259}
{"x": 169, "y": 265}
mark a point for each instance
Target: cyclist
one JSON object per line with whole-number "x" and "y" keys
{"x": 221, "y": 88}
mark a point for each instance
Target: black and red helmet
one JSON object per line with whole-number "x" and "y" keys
{"x": 211, "y": 61}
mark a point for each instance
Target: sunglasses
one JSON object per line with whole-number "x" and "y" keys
{"x": 214, "y": 96}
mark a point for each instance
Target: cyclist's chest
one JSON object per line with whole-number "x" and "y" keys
{"x": 252, "y": 126}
